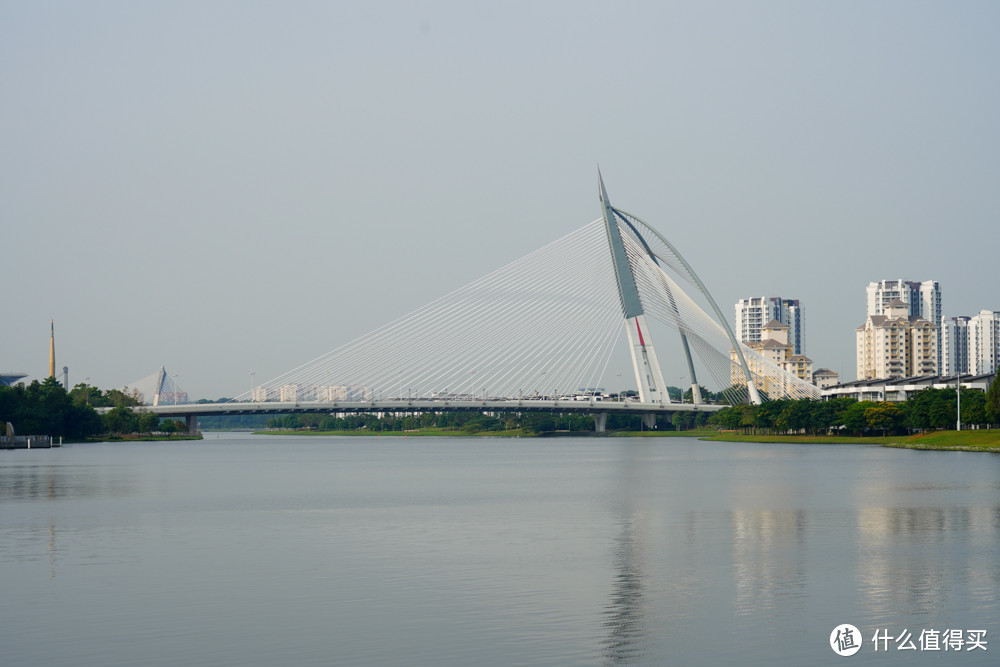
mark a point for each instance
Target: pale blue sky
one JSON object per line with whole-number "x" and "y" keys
{"x": 225, "y": 186}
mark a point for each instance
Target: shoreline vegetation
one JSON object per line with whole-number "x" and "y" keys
{"x": 46, "y": 408}
{"x": 976, "y": 440}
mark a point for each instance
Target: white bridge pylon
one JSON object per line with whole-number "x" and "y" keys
{"x": 547, "y": 326}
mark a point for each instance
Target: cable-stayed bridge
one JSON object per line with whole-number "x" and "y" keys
{"x": 541, "y": 334}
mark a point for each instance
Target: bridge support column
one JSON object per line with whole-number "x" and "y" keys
{"x": 192, "y": 424}
{"x": 600, "y": 422}
{"x": 649, "y": 420}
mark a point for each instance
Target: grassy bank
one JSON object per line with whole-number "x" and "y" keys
{"x": 965, "y": 441}
{"x": 814, "y": 439}
{"x": 961, "y": 441}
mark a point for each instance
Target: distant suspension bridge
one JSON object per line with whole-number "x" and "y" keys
{"x": 538, "y": 334}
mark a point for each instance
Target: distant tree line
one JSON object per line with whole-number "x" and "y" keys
{"x": 46, "y": 408}
{"x": 475, "y": 422}
{"x": 930, "y": 409}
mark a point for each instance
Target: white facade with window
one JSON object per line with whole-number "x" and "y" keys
{"x": 754, "y": 312}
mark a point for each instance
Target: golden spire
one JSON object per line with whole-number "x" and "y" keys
{"x": 52, "y": 350}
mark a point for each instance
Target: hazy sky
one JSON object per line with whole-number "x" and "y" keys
{"x": 217, "y": 187}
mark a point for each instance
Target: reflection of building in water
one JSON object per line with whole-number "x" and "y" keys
{"x": 767, "y": 557}
{"x": 899, "y": 569}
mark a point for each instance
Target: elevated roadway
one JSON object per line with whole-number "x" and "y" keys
{"x": 599, "y": 409}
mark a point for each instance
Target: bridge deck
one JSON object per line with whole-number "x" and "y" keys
{"x": 423, "y": 405}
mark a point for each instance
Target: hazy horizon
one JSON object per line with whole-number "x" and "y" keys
{"x": 227, "y": 187}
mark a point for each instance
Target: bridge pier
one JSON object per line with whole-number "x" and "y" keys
{"x": 600, "y": 422}
{"x": 649, "y": 420}
{"x": 192, "y": 424}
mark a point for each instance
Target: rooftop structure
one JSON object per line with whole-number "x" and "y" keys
{"x": 7, "y": 378}
{"x": 900, "y": 389}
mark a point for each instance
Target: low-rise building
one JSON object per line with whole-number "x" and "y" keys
{"x": 824, "y": 378}
{"x": 901, "y": 389}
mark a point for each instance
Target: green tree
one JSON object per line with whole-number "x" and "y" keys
{"x": 681, "y": 420}
{"x": 121, "y": 397}
{"x": 795, "y": 415}
{"x": 854, "y": 417}
{"x": 121, "y": 420}
{"x": 944, "y": 409}
{"x": 884, "y": 416}
{"x": 148, "y": 422}
{"x": 748, "y": 416}
{"x": 767, "y": 413}
{"x": 992, "y": 405}
{"x": 84, "y": 394}
{"x": 828, "y": 415}
{"x": 726, "y": 418}
{"x": 918, "y": 409}
{"x": 974, "y": 407}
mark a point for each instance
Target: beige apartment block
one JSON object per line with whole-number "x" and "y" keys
{"x": 896, "y": 344}
{"x": 774, "y": 347}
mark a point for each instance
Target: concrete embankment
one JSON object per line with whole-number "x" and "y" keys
{"x": 27, "y": 442}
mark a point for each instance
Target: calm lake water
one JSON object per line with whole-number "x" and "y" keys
{"x": 256, "y": 550}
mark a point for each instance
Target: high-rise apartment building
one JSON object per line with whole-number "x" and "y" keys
{"x": 955, "y": 345}
{"x": 922, "y": 298}
{"x": 896, "y": 344}
{"x": 971, "y": 344}
{"x": 753, "y": 313}
{"x": 775, "y": 347}
{"x": 984, "y": 342}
